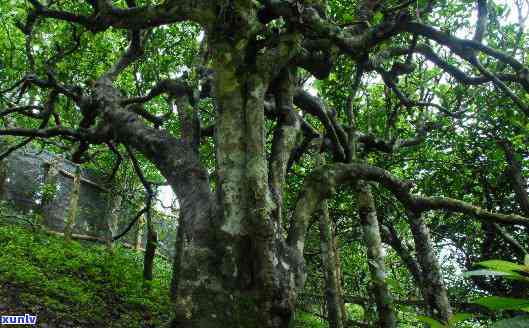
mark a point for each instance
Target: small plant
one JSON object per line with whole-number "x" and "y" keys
{"x": 307, "y": 320}
{"x": 83, "y": 282}
{"x": 511, "y": 271}
{"x": 456, "y": 319}
{"x": 49, "y": 190}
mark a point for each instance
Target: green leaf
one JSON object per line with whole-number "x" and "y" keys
{"x": 485, "y": 273}
{"x": 504, "y": 266}
{"x": 502, "y": 303}
{"x": 431, "y": 322}
{"x": 378, "y": 17}
{"x": 347, "y": 17}
{"x": 518, "y": 322}
{"x": 393, "y": 283}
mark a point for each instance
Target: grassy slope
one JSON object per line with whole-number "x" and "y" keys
{"x": 81, "y": 284}
{"x": 78, "y": 285}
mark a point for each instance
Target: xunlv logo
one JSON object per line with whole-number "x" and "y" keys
{"x": 26, "y": 319}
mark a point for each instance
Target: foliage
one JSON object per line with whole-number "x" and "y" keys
{"x": 517, "y": 322}
{"x": 453, "y": 322}
{"x": 307, "y": 320}
{"x": 78, "y": 282}
{"x": 509, "y": 270}
{"x": 49, "y": 190}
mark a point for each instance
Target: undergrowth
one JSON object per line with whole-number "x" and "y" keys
{"x": 82, "y": 284}
{"x": 78, "y": 284}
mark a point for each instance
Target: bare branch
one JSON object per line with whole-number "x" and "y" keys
{"x": 462, "y": 77}
{"x": 24, "y": 110}
{"x": 481, "y": 24}
{"x": 510, "y": 239}
{"x": 134, "y": 18}
{"x": 316, "y": 107}
{"x": 42, "y": 133}
{"x": 463, "y": 48}
{"x": 323, "y": 182}
{"x": 130, "y": 225}
{"x": 133, "y": 52}
{"x": 46, "y": 114}
{"x": 174, "y": 87}
{"x": 117, "y": 163}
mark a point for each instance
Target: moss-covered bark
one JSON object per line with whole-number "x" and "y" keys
{"x": 339, "y": 279}
{"x": 375, "y": 256}
{"x": 328, "y": 258}
{"x": 433, "y": 287}
{"x": 138, "y": 233}
{"x": 177, "y": 260}
{"x": 285, "y": 136}
{"x": 241, "y": 273}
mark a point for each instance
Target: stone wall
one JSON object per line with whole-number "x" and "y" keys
{"x": 43, "y": 182}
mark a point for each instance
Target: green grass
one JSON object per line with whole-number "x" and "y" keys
{"x": 307, "y": 320}
{"x": 83, "y": 284}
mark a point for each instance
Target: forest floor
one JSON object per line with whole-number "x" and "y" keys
{"x": 73, "y": 284}
{"x": 82, "y": 284}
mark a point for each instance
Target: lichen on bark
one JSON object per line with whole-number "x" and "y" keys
{"x": 375, "y": 255}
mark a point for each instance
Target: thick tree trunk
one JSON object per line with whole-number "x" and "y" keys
{"x": 375, "y": 255}
{"x": 433, "y": 287}
{"x": 339, "y": 287}
{"x": 260, "y": 268}
{"x": 242, "y": 273}
{"x": 328, "y": 258}
{"x": 238, "y": 271}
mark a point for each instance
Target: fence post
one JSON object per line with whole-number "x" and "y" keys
{"x": 49, "y": 188}
{"x": 139, "y": 233}
{"x": 74, "y": 205}
{"x": 3, "y": 177}
{"x": 114, "y": 205}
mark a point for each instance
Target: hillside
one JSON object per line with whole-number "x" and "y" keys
{"x": 81, "y": 284}
{"x": 77, "y": 284}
